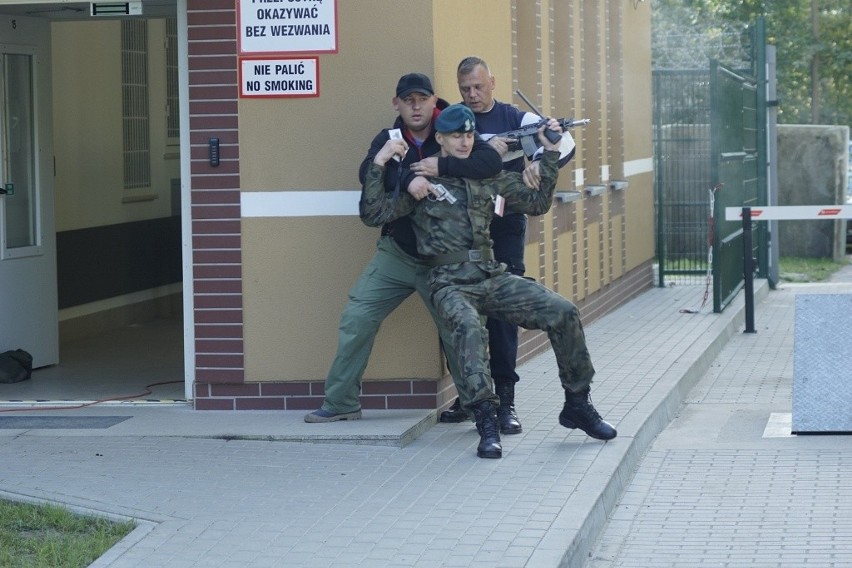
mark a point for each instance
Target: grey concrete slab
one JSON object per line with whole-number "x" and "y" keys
{"x": 387, "y": 427}
{"x": 822, "y": 383}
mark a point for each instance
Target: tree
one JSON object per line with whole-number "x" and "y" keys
{"x": 812, "y": 40}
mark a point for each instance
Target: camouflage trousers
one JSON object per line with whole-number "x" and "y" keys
{"x": 521, "y": 302}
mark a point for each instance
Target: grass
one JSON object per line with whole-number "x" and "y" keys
{"x": 51, "y": 536}
{"x": 792, "y": 269}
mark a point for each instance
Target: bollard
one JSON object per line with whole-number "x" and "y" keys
{"x": 748, "y": 272}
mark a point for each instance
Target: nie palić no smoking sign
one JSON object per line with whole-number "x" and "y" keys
{"x": 292, "y": 77}
{"x": 291, "y": 28}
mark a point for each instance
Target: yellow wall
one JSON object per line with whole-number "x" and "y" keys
{"x": 475, "y": 27}
{"x": 88, "y": 130}
{"x": 297, "y": 271}
{"x": 638, "y": 143}
{"x": 318, "y": 143}
{"x": 295, "y": 290}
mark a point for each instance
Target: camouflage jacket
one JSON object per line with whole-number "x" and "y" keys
{"x": 442, "y": 227}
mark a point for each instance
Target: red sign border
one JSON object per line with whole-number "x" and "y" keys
{"x": 242, "y": 53}
{"x": 259, "y": 58}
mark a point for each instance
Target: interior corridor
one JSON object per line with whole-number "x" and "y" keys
{"x": 117, "y": 363}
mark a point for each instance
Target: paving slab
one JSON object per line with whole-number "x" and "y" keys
{"x": 727, "y": 483}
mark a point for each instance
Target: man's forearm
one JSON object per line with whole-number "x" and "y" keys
{"x": 549, "y": 176}
{"x": 522, "y": 199}
{"x": 375, "y": 147}
{"x": 377, "y": 206}
{"x": 484, "y": 162}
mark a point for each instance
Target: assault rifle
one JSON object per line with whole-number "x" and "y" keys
{"x": 526, "y": 137}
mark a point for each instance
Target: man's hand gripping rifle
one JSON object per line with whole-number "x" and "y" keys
{"x": 526, "y": 137}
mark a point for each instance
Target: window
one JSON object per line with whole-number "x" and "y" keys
{"x": 172, "y": 102}
{"x": 134, "y": 102}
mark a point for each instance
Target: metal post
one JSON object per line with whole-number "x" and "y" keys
{"x": 748, "y": 272}
{"x": 772, "y": 155}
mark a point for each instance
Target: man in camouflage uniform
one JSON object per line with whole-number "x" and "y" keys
{"x": 451, "y": 227}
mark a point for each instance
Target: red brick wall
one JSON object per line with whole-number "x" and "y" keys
{"x": 216, "y": 246}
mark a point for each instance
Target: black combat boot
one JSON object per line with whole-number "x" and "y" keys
{"x": 454, "y": 414}
{"x": 578, "y": 412}
{"x": 507, "y": 418}
{"x": 489, "y": 434}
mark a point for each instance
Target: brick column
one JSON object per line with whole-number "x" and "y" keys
{"x": 216, "y": 242}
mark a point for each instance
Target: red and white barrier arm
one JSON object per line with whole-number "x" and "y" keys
{"x": 791, "y": 212}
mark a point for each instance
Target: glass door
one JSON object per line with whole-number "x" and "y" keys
{"x": 19, "y": 204}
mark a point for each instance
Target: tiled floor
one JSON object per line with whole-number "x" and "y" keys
{"x": 119, "y": 363}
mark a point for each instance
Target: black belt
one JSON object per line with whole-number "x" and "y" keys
{"x": 478, "y": 255}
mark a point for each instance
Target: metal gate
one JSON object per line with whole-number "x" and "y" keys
{"x": 682, "y": 174}
{"x": 710, "y": 153}
{"x": 734, "y": 127}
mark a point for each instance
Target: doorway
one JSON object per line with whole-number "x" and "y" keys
{"x": 114, "y": 169}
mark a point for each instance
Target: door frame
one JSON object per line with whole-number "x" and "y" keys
{"x": 185, "y": 191}
{"x": 35, "y": 315}
{"x": 186, "y": 204}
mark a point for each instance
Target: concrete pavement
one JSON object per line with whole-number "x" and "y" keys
{"x": 726, "y": 484}
{"x": 394, "y": 489}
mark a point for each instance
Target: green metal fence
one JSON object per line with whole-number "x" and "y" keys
{"x": 734, "y": 127}
{"x": 682, "y": 169}
{"x": 710, "y": 153}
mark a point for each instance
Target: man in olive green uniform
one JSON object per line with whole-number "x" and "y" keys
{"x": 452, "y": 230}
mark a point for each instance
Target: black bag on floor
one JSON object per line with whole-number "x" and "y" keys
{"x": 15, "y": 366}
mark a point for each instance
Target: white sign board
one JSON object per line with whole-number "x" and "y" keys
{"x": 291, "y": 77}
{"x": 291, "y": 26}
